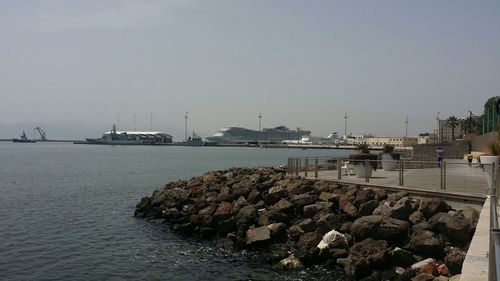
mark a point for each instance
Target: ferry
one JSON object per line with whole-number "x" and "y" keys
{"x": 115, "y": 137}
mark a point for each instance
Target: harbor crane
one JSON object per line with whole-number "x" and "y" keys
{"x": 42, "y": 133}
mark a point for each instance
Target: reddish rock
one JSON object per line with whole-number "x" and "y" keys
{"x": 347, "y": 207}
{"x": 425, "y": 266}
{"x": 223, "y": 212}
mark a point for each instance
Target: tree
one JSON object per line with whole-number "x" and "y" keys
{"x": 452, "y": 122}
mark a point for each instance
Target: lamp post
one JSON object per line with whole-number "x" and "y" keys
{"x": 260, "y": 126}
{"x": 438, "y": 129}
{"x": 186, "y": 126}
{"x": 345, "y": 127}
{"x": 406, "y": 123}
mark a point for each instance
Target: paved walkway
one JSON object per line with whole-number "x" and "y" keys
{"x": 459, "y": 177}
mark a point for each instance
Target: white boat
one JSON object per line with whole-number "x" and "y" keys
{"x": 115, "y": 137}
{"x": 234, "y": 135}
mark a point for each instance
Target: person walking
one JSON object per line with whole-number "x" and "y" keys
{"x": 440, "y": 156}
{"x": 469, "y": 159}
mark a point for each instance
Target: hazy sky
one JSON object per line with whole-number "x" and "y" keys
{"x": 300, "y": 63}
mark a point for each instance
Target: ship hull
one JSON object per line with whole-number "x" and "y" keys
{"x": 23, "y": 141}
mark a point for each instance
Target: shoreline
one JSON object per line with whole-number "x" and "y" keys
{"x": 294, "y": 223}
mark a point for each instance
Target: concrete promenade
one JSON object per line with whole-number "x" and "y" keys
{"x": 461, "y": 180}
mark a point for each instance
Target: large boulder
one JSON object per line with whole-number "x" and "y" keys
{"x": 311, "y": 210}
{"x": 425, "y": 266}
{"x": 333, "y": 239}
{"x": 290, "y": 263}
{"x": 363, "y": 257}
{"x": 426, "y": 243}
{"x": 242, "y": 188}
{"x": 454, "y": 259}
{"x": 143, "y": 207}
{"x": 246, "y": 216}
{"x": 374, "y": 251}
{"x": 283, "y": 206}
{"x": 222, "y": 212}
{"x": 383, "y": 209}
{"x": 226, "y": 226}
{"x": 268, "y": 217}
{"x": 455, "y": 227}
{"x": 379, "y": 227}
{"x": 169, "y": 197}
{"x": 274, "y": 194}
{"x": 432, "y": 206}
{"x": 423, "y": 277}
{"x": 416, "y": 217}
{"x": 402, "y": 209}
{"x": 278, "y": 231}
{"x": 295, "y": 232}
{"x": 347, "y": 207}
{"x": 469, "y": 214}
{"x": 363, "y": 195}
{"x": 258, "y": 236}
{"x": 308, "y": 225}
{"x": 367, "y": 208}
{"x": 401, "y": 257}
{"x": 328, "y": 222}
{"x": 328, "y": 197}
{"x": 306, "y": 250}
{"x": 304, "y": 199}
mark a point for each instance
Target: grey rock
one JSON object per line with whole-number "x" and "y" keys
{"x": 258, "y": 235}
{"x": 290, "y": 263}
{"x": 400, "y": 257}
{"x": 367, "y": 208}
{"x": 423, "y": 277}
{"x": 454, "y": 259}
{"x": 455, "y": 227}
{"x": 432, "y": 206}
{"x": 304, "y": 199}
{"x": 426, "y": 243}
{"x": 379, "y": 227}
{"x": 402, "y": 209}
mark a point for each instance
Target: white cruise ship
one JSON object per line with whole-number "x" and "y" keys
{"x": 234, "y": 135}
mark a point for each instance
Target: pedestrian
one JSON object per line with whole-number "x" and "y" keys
{"x": 440, "y": 156}
{"x": 469, "y": 159}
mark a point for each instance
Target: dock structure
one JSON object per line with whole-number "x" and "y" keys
{"x": 458, "y": 184}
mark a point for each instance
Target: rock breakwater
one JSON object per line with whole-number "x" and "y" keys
{"x": 294, "y": 222}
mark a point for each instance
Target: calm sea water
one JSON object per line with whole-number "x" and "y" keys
{"x": 66, "y": 213}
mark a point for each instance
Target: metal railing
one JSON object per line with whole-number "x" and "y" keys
{"x": 449, "y": 175}
{"x": 494, "y": 251}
